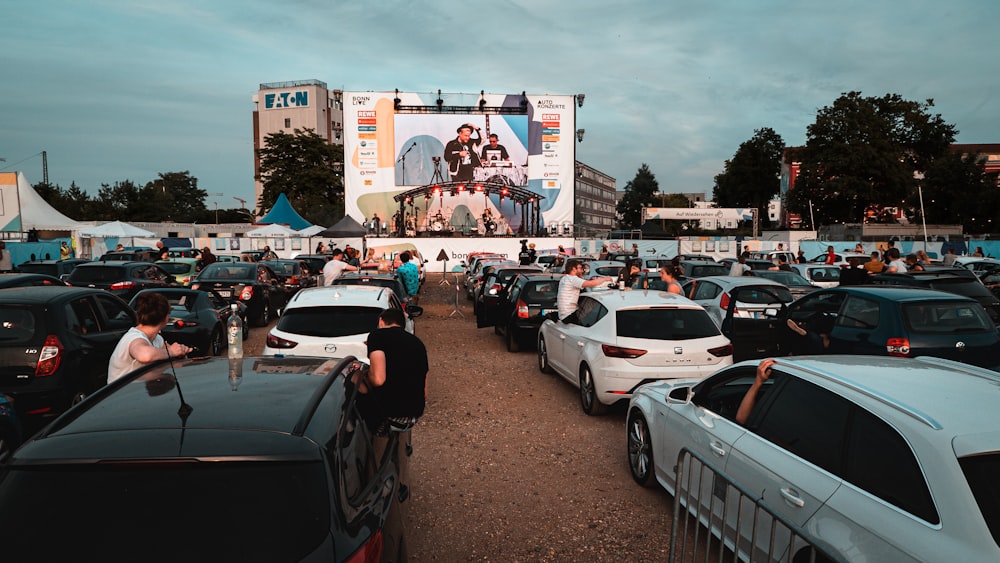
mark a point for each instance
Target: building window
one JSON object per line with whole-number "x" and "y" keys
{"x": 288, "y": 122}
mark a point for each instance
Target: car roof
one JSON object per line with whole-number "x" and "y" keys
{"x": 895, "y": 293}
{"x": 733, "y": 281}
{"x": 274, "y": 400}
{"x": 913, "y": 388}
{"x": 45, "y": 293}
{"x": 339, "y": 295}
{"x": 615, "y": 299}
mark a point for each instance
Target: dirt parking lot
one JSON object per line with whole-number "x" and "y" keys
{"x": 506, "y": 467}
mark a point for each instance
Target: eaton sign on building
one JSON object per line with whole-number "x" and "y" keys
{"x": 281, "y": 100}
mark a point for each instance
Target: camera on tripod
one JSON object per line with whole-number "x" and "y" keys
{"x": 436, "y": 159}
{"x": 523, "y": 241}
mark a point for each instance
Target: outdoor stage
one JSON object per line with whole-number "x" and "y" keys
{"x": 454, "y": 249}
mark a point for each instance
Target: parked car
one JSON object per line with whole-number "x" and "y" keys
{"x": 54, "y": 268}
{"x": 275, "y": 464}
{"x": 475, "y": 277}
{"x": 55, "y": 344}
{"x": 519, "y": 307}
{"x": 618, "y": 340}
{"x": 701, "y": 269}
{"x": 294, "y": 274}
{"x": 861, "y": 452}
{"x": 11, "y": 432}
{"x": 600, "y": 268}
{"x": 390, "y": 281}
{"x": 773, "y": 255}
{"x": 149, "y": 255}
{"x": 255, "y": 285}
{"x": 849, "y": 259}
{"x": 332, "y": 321}
{"x": 28, "y": 280}
{"x": 226, "y": 258}
{"x": 315, "y": 263}
{"x": 123, "y": 279}
{"x": 894, "y": 321}
{"x": 796, "y": 284}
{"x": 496, "y": 280}
{"x": 943, "y": 280}
{"x": 714, "y": 293}
{"x": 198, "y": 318}
{"x": 251, "y": 255}
{"x": 183, "y": 252}
{"x": 819, "y": 275}
{"x": 183, "y": 269}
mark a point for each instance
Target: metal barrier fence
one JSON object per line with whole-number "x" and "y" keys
{"x": 716, "y": 518}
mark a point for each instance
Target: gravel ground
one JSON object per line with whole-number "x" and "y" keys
{"x": 506, "y": 467}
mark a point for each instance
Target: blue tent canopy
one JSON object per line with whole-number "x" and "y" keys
{"x": 283, "y": 213}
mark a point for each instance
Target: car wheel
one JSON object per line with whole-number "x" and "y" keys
{"x": 216, "y": 343}
{"x": 512, "y": 344}
{"x": 76, "y": 397}
{"x": 246, "y": 329}
{"x": 640, "y": 449}
{"x": 588, "y": 393}
{"x": 543, "y": 356}
{"x": 265, "y": 315}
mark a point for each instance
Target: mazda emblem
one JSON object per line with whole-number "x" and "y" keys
{"x": 330, "y": 348}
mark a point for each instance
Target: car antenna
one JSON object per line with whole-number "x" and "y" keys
{"x": 185, "y": 410}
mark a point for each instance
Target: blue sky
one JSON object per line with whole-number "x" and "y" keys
{"x": 124, "y": 90}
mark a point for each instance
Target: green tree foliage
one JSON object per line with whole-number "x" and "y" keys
{"x": 118, "y": 202}
{"x": 752, "y": 177}
{"x": 639, "y": 192}
{"x": 175, "y": 193}
{"x": 956, "y": 186}
{"x": 301, "y": 165}
{"x": 864, "y": 152}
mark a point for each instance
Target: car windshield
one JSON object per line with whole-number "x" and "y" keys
{"x": 981, "y": 471}
{"x": 97, "y": 274}
{"x": 193, "y": 503}
{"x": 541, "y": 292}
{"x": 938, "y": 317}
{"x": 329, "y": 322}
{"x": 665, "y": 324}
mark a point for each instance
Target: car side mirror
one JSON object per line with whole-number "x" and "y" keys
{"x": 414, "y": 311}
{"x": 681, "y": 395}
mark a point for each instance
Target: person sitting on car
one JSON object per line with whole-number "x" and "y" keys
{"x": 143, "y": 343}
{"x": 570, "y": 286}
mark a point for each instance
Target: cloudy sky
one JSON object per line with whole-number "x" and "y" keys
{"x": 123, "y": 90}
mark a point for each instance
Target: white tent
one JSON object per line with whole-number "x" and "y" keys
{"x": 22, "y": 209}
{"x": 310, "y": 230}
{"x": 272, "y": 230}
{"x": 117, "y": 229}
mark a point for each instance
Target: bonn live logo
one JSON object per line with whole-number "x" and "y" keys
{"x": 286, "y": 100}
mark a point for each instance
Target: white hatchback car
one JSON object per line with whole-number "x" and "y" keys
{"x": 331, "y": 321}
{"x": 876, "y": 458}
{"x": 820, "y": 275}
{"x": 620, "y": 339}
{"x": 714, "y": 292}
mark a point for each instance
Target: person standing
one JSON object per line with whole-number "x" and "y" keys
{"x": 570, "y": 287}
{"x": 395, "y": 389}
{"x": 895, "y": 266}
{"x": 410, "y": 276}
{"x": 65, "y": 252}
{"x": 6, "y": 264}
{"x": 831, "y": 256}
{"x": 320, "y": 248}
{"x": 494, "y": 152}
{"x": 460, "y": 153}
{"x": 739, "y": 267}
{"x": 801, "y": 257}
{"x": 335, "y": 267}
{"x": 207, "y": 258}
{"x": 949, "y": 257}
{"x": 669, "y": 275}
{"x": 875, "y": 265}
{"x": 143, "y": 343}
{"x": 268, "y": 254}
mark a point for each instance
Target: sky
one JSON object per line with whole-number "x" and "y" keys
{"x": 126, "y": 90}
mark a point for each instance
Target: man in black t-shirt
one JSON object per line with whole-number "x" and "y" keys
{"x": 397, "y": 379}
{"x": 494, "y": 152}
{"x": 460, "y": 154}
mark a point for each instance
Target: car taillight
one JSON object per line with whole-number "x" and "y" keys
{"x": 724, "y": 301}
{"x": 898, "y": 347}
{"x": 494, "y": 289}
{"x": 721, "y": 351}
{"x": 122, "y": 285}
{"x": 619, "y": 352}
{"x": 277, "y": 342}
{"x": 292, "y": 280}
{"x": 522, "y": 309}
{"x": 369, "y": 552}
{"x": 51, "y": 356}
{"x": 247, "y": 293}
{"x": 181, "y": 323}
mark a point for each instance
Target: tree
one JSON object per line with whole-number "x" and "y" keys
{"x": 957, "y": 185}
{"x": 865, "y": 152}
{"x": 301, "y": 165}
{"x": 117, "y": 202}
{"x": 174, "y": 196}
{"x": 639, "y": 192}
{"x": 752, "y": 177}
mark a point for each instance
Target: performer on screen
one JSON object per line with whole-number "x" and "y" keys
{"x": 460, "y": 154}
{"x": 494, "y": 152}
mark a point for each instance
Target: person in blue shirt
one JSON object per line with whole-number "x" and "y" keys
{"x": 410, "y": 277}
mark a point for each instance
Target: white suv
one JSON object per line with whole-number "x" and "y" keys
{"x": 331, "y": 321}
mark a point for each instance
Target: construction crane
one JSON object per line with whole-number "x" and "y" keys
{"x": 243, "y": 202}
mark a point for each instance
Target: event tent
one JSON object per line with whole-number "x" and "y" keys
{"x": 272, "y": 230}
{"x": 22, "y": 209}
{"x": 346, "y": 227}
{"x": 282, "y": 212}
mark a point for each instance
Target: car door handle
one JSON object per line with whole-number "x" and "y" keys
{"x": 562, "y": 337}
{"x": 792, "y": 497}
{"x": 717, "y": 449}
{"x": 580, "y": 344}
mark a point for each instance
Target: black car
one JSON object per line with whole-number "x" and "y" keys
{"x": 495, "y": 279}
{"x": 796, "y": 284}
{"x": 54, "y": 268}
{"x": 315, "y": 262}
{"x": 28, "y": 280}
{"x": 123, "y": 279}
{"x": 294, "y": 274}
{"x": 252, "y": 459}
{"x": 130, "y": 256}
{"x": 390, "y": 281}
{"x": 252, "y": 283}
{"x": 942, "y": 280}
{"x": 10, "y": 428}
{"x": 198, "y": 318}
{"x": 520, "y": 308}
{"x": 55, "y": 344}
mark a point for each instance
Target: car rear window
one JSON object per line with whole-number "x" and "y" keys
{"x": 229, "y": 270}
{"x": 938, "y": 317}
{"x": 762, "y": 295}
{"x": 708, "y": 270}
{"x": 981, "y": 472}
{"x": 175, "y": 267}
{"x": 665, "y": 324}
{"x": 49, "y": 269}
{"x": 962, "y": 286}
{"x": 541, "y": 291}
{"x": 92, "y": 274}
{"x": 17, "y": 325}
{"x": 328, "y": 322}
{"x": 283, "y": 507}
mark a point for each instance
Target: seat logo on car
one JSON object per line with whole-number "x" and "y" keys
{"x": 330, "y": 348}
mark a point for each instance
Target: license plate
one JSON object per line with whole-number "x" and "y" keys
{"x": 225, "y": 293}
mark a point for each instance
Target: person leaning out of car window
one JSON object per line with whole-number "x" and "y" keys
{"x": 750, "y": 398}
{"x": 143, "y": 343}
